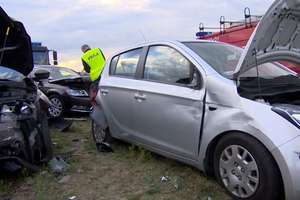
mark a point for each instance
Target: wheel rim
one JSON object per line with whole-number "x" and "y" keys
{"x": 238, "y": 171}
{"x": 99, "y": 133}
{"x": 55, "y": 110}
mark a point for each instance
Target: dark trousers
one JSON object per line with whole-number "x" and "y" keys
{"x": 94, "y": 89}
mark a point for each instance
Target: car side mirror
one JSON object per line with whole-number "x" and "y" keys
{"x": 55, "y": 62}
{"x": 41, "y": 74}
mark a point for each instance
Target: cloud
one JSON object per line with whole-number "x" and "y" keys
{"x": 64, "y": 25}
{"x": 136, "y": 5}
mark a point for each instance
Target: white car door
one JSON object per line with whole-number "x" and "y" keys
{"x": 168, "y": 106}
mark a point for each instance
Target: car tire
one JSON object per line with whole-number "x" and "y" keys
{"x": 58, "y": 108}
{"x": 246, "y": 169}
{"x": 100, "y": 135}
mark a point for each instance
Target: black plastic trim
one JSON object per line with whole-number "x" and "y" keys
{"x": 286, "y": 116}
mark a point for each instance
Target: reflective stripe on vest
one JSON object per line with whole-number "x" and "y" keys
{"x": 96, "y": 62}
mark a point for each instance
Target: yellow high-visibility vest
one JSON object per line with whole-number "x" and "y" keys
{"x": 94, "y": 58}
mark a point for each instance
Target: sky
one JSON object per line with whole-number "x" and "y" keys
{"x": 64, "y": 25}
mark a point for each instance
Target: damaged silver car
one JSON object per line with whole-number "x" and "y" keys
{"x": 231, "y": 113}
{"x": 24, "y": 133}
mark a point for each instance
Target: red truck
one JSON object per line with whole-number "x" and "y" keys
{"x": 236, "y": 33}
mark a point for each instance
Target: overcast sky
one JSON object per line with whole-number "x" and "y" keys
{"x": 64, "y": 25}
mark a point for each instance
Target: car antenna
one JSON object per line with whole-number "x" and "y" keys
{"x": 257, "y": 72}
{"x": 143, "y": 36}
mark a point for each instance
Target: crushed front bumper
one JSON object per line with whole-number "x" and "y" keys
{"x": 79, "y": 104}
{"x": 11, "y": 140}
{"x": 16, "y": 143}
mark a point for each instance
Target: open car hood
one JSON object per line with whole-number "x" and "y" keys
{"x": 276, "y": 38}
{"x": 82, "y": 82}
{"x": 15, "y": 45}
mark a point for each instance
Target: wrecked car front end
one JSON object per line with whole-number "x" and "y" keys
{"x": 75, "y": 93}
{"x": 24, "y": 133}
{"x": 23, "y": 126}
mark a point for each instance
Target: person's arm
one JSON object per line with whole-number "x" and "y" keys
{"x": 86, "y": 66}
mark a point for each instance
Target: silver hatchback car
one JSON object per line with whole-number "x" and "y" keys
{"x": 231, "y": 113}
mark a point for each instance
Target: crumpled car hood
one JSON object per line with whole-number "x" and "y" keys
{"x": 276, "y": 38}
{"x": 17, "y": 53}
{"x": 82, "y": 82}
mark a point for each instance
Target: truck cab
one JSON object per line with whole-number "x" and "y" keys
{"x": 41, "y": 54}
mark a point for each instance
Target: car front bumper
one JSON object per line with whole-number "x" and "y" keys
{"x": 288, "y": 159}
{"x": 79, "y": 104}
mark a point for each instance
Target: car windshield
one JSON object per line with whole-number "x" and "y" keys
{"x": 60, "y": 73}
{"x": 224, "y": 59}
{"x": 40, "y": 58}
{"x": 10, "y": 75}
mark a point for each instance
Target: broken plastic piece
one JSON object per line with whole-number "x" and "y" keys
{"x": 164, "y": 179}
{"x": 58, "y": 165}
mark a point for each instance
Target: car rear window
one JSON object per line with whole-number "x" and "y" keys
{"x": 126, "y": 63}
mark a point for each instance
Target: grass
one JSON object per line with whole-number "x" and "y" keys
{"x": 130, "y": 172}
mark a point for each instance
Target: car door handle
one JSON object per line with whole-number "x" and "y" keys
{"x": 140, "y": 97}
{"x": 104, "y": 92}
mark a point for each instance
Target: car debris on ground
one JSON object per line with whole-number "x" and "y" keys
{"x": 60, "y": 123}
{"x": 57, "y": 165}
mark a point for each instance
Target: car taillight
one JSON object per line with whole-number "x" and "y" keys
{"x": 93, "y": 95}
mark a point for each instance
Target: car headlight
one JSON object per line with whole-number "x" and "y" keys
{"x": 6, "y": 109}
{"x": 26, "y": 110}
{"x": 77, "y": 93}
{"x": 289, "y": 114}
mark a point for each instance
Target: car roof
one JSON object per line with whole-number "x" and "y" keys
{"x": 160, "y": 42}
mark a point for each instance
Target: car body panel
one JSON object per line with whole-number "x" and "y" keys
{"x": 167, "y": 106}
{"x": 276, "y": 37}
{"x": 117, "y": 100}
{"x": 242, "y": 115}
{"x": 288, "y": 159}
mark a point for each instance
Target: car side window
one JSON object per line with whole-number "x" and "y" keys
{"x": 127, "y": 63}
{"x": 165, "y": 64}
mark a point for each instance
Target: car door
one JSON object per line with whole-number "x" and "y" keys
{"x": 168, "y": 106}
{"x": 117, "y": 89}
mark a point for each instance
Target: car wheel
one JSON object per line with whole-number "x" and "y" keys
{"x": 57, "y": 108}
{"x": 246, "y": 169}
{"x": 100, "y": 135}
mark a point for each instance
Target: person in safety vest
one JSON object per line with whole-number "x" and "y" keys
{"x": 93, "y": 62}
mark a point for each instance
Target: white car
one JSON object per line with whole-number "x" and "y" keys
{"x": 231, "y": 113}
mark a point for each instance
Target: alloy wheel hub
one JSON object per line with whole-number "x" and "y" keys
{"x": 99, "y": 133}
{"x": 55, "y": 109}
